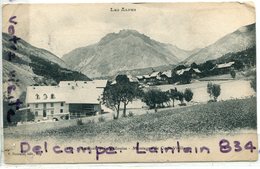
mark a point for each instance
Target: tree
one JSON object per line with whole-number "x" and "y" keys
{"x": 179, "y": 67}
{"x": 128, "y": 90}
{"x": 185, "y": 78}
{"x": 238, "y": 65}
{"x": 173, "y": 95}
{"x": 188, "y": 95}
{"x": 253, "y": 83}
{"x": 175, "y": 77}
{"x": 213, "y": 90}
{"x": 111, "y": 98}
{"x": 194, "y": 65}
{"x": 123, "y": 91}
{"x": 180, "y": 97}
{"x": 233, "y": 73}
{"x": 207, "y": 67}
{"x": 155, "y": 97}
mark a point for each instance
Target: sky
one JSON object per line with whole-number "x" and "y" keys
{"x": 60, "y": 28}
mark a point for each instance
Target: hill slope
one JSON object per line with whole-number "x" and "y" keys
{"x": 121, "y": 51}
{"x": 240, "y": 40}
{"x": 33, "y": 66}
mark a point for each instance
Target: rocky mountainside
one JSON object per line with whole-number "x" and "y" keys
{"x": 241, "y": 39}
{"x": 126, "y": 50}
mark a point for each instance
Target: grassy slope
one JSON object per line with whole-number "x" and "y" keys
{"x": 201, "y": 119}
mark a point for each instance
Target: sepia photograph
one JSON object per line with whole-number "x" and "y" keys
{"x": 129, "y": 82}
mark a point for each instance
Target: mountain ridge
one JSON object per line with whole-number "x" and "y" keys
{"x": 238, "y": 40}
{"x": 111, "y": 54}
{"x": 33, "y": 66}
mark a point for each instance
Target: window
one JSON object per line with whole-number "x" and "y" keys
{"x": 44, "y": 113}
{"x": 45, "y": 96}
{"x": 61, "y": 104}
{"x": 36, "y": 105}
{"x": 52, "y": 104}
{"x": 61, "y": 110}
{"x": 44, "y": 105}
{"x": 36, "y": 113}
{"x": 52, "y": 112}
{"x": 37, "y": 96}
{"x": 52, "y": 96}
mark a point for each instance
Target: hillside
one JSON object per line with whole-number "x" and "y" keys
{"x": 33, "y": 66}
{"x": 247, "y": 56}
{"x": 181, "y": 54}
{"x": 24, "y": 49}
{"x": 121, "y": 51}
{"x": 237, "y": 41}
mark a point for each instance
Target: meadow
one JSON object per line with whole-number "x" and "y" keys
{"x": 205, "y": 120}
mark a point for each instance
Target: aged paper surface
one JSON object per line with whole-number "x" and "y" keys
{"x": 106, "y": 83}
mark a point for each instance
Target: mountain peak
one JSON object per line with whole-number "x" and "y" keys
{"x": 122, "y": 34}
{"x": 128, "y": 31}
{"x": 125, "y": 50}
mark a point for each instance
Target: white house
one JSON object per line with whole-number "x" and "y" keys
{"x": 70, "y": 99}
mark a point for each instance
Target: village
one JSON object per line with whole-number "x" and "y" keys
{"x": 83, "y": 99}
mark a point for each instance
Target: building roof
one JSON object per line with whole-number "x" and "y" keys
{"x": 132, "y": 79}
{"x": 139, "y": 77}
{"x": 167, "y": 73}
{"x": 67, "y": 91}
{"x": 196, "y": 70}
{"x": 146, "y": 76}
{"x": 154, "y": 74}
{"x": 180, "y": 72}
{"x": 96, "y": 83}
{"x": 224, "y": 65}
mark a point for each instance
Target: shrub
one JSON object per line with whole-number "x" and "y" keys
{"x": 101, "y": 119}
{"x": 79, "y": 122}
{"x": 213, "y": 90}
{"x": 233, "y": 74}
{"x": 180, "y": 97}
{"x": 188, "y": 95}
{"x": 130, "y": 114}
{"x": 91, "y": 121}
{"x": 185, "y": 78}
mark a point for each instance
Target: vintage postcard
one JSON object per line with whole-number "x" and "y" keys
{"x": 144, "y": 82}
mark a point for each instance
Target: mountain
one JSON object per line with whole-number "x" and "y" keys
{"x": 237, "y": 41}
{"x": 125, "y": 50}
{"x": 181, "y": 54}
{"x": 33, "y": 66}
{"x": 247, "y": 57}
{"x": 27, "y": 49}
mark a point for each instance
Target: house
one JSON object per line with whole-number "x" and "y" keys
{"x": 140, "y": 78}
{"x": 223, "y": 68}
{"x": 166, "y": 75}
{"x": 146, "y": 78}
{"x": 132, "y": 79}
{"x": 155, "y": 76}
{"x": 69, "y": 99}
{"x": 193, "y": 72}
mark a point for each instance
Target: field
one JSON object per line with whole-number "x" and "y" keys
{"x": 230, "y": 89}
{"x": 205, "y": 119}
